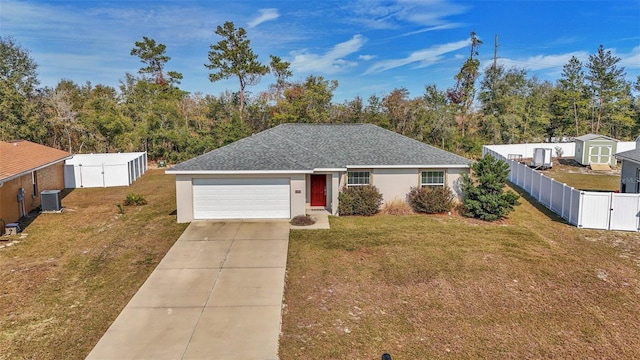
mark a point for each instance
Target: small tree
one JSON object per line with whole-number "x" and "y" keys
{"x": 485, "y": 197}
{"x": 559, "y": 151}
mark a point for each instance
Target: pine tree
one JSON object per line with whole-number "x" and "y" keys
{"x": 607, "y": 84}
{"x": 485, "y": 197}
{"x": 233, "y": 56}
{"x": 154, "y": 57}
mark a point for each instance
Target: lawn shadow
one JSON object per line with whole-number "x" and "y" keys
{"x": 536, "y": 204}
{"x": 32, "y": 215}
{"x": 26, "y": 220}
{"x": 174, "y": 212}
{"x": 569, "y": 162}
{"x": 65, "y": 192}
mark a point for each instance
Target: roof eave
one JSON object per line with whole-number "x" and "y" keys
{"x": 328, "y": 169}
{"x": 633, "y": 160}
{"x": 422, "y": 166}
{"x": 235, "y": 172}
{"x": 15, "y": 176}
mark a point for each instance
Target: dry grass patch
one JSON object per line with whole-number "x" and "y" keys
{"x": 396, "y": 207}
{"x": 69, "y": 279}
{"x": 423, "y": 287}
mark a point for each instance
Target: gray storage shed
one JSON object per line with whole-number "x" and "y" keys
{"x": 595, "y": 149}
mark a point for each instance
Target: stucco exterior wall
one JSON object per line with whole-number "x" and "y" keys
{"x": 454, "y": 181}
{"x": 395, "y": 184}
{"x": 298, "y": 195}
{"x": 629, "y": 177}
{"x": 49, "y": 178}
{"x": 335, "y": 190}
{"x": 184, "y": 192}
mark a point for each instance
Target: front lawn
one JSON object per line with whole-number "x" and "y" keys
{"x": 422, "y": 287}
{"x": 416, "y": 286}
{"x": 64, "y": 283}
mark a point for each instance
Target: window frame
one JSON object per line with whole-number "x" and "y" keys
{"x": 424, "y": 178}
{"x": 368, "y": 178}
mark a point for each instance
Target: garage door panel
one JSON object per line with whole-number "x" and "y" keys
{"x": 241, "y": 198}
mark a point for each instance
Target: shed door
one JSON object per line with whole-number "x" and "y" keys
{"x": 241, "y": 199}
{"x": 600, "y": 154}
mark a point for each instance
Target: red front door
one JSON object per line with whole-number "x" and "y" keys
{"x": 318, "y": 190}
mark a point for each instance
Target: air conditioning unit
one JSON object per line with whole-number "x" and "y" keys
{"x": 50, "y": 200}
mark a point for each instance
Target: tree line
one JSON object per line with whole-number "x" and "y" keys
{"x": 149, "y": 112}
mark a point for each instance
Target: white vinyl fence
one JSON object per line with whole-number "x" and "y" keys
{"x": 104, "y": 170}
{"x": 584, "y": 209}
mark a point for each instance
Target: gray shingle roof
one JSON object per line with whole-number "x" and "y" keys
{"x": 305, "y": 147}
{"x": 633, "y": 155}
{"x": 588, "y": 137}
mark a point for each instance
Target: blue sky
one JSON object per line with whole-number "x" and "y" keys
{"x": 369, "y": 46}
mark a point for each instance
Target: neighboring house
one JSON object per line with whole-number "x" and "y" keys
{"x": 595, "y": 149}
{"x": 630, "y": 170}
{"x": 283, "y": 171}
{"x": 26, "y": 169}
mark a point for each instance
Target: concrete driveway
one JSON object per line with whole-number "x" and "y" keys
{"x": 217, "y": 294}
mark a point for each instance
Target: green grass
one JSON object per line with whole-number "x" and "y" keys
{"x": 588, "y": 181}
{"x": 424, "y": 287}
{"x": 69, "y": 278}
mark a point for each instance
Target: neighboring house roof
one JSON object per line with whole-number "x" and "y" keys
{"x": 631, "y": 155}
{"x": 305, "y": 147}
{"x": 588, "y": 137}
{"x": 21, "y": 157}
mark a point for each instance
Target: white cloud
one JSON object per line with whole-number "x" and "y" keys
{"x": 631, "y": 60}
{"x": 433, "y": 28}
{"x": 332, "y": 61}
{"x": 421, "y": 58}
{"x": 378, "y": 14}
{"x": 265, "y": 15}
{"x": 366, "y": 57}
{"x": 543, "y": 62}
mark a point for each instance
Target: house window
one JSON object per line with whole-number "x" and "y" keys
{"x": 432, "y": 179}
{"x": 357, "y": 178}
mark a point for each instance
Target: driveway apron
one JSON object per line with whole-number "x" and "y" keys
{"x": 217, "y": 294}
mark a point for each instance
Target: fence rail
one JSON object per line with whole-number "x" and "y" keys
{"x": 584, "y": 209}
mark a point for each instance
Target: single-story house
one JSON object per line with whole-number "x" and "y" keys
{"x": 595, "y": 149}
{"x": 283, "y": 171}
{"x": 630, "y": 170}
{"x": 26, "y": 169}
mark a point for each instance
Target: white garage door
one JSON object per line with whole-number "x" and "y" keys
{"x": 241, "y": 199}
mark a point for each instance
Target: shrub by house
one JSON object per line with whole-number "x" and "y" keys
{"x": 430, "y": 200}
{"x": 359, "y": 200}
